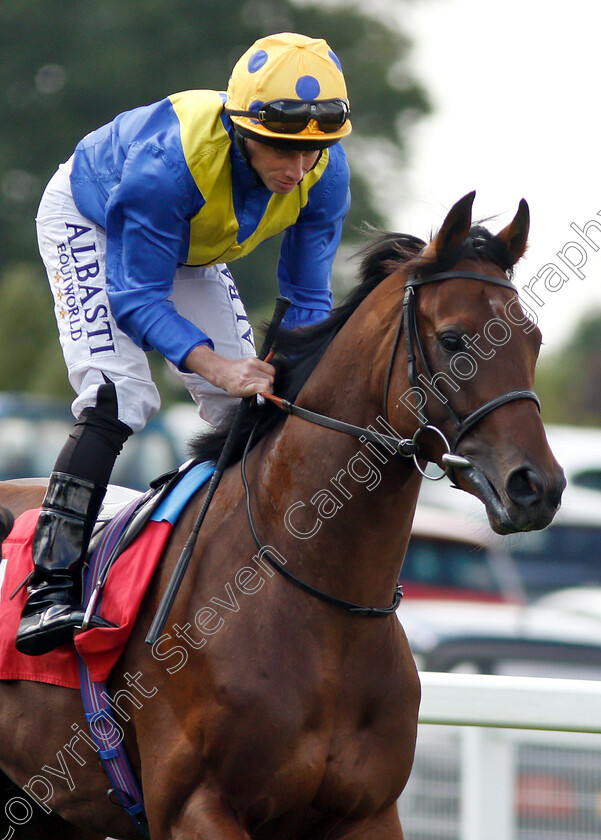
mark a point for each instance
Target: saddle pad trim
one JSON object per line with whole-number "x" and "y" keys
{"x": 171, "y": 507}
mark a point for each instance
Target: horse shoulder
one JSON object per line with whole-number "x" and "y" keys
{"x": 17, "y": 496}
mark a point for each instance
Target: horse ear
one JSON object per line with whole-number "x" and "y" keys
{"x": 456, "y": 226}
{"x": 515, "y": 235}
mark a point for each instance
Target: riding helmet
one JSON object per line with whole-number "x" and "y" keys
{"x": 279, "y": 71}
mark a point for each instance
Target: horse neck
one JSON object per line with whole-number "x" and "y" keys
{"x": 355, "y": 501}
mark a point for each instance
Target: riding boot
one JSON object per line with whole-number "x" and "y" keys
{"x": 60, "y": 544}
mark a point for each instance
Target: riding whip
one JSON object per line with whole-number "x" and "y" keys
{"x": 158, "y": 622}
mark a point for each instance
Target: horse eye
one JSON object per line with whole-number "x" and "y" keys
{"x": 451, "y": 341}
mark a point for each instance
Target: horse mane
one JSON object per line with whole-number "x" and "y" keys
{"x": 298, "y": 351}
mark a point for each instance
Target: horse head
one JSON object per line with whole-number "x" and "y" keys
{"x": 470, "y": 351}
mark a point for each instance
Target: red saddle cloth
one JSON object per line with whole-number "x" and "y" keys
{"x": 125, "y": 587}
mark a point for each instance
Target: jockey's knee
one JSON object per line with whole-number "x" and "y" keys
{"x": 112, "y": 412}
{"x": 130, "y": 401}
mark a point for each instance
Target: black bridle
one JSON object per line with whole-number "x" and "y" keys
{"x": 405, "y": 447}
{"x": 409, "y": 447}
{"x": 408, "y": 325}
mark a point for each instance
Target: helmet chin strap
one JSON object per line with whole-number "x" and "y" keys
{"x": 241, "y": 145}
{"x": 317, "y": 159}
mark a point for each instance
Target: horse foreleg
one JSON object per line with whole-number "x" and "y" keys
{"x": 205, "y": 814}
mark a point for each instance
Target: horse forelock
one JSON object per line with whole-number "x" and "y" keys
{"x": 480, "y": 244}
{"x": 298, "y": 351}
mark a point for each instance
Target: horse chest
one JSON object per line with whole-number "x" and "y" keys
{"x": 356, "y": 763}
{"x": 371, "y": 753}
{"x": 327, "y": 744}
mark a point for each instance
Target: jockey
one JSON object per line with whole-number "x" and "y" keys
{"x": 135, "y": 231}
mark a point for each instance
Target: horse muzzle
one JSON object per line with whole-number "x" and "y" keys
{"x": 527, "y": 501}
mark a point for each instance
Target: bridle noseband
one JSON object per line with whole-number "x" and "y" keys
{"x": 405, "y": 447}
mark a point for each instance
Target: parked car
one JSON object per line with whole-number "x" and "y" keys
{"x": 557, "y": 785}
{"x": 505, "y": 639}
{"x": 556, "y": 634}
{"x": 33, "y": 430}
{"x": 575, "y": 600}
{"x": 578, "y": 450}
{"x": 451, "y": 557}
{"x": 566, "y": 553}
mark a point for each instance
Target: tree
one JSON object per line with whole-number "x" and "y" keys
{"x": 67, "y": 66}
{"x": 569, "y": 382}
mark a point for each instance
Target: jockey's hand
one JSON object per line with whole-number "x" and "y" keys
{"x": 242, "y": 377}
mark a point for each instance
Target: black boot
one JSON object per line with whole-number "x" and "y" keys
{"x": 60, "y": 543}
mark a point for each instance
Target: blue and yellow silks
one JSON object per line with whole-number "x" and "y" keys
{"x": 168, "y": 184}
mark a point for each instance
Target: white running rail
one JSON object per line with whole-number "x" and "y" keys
{"x": 492, "y": 711}
{"x": 511, "y": 702}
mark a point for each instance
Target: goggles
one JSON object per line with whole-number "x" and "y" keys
{"x": 291, "y": 116}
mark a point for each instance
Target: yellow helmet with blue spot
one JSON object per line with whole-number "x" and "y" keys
{"x": 289, "y": 88}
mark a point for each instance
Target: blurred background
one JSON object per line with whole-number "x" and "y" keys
{"x": 68, "y": 66}
{"x": 447, "y": 96}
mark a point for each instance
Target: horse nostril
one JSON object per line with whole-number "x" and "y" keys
{"x": 524, "y": 487}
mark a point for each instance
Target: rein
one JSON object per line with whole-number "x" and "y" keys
{"x": 170, "y": 593}
{"x": 404, "y": 447}
{"x": 409, "y": 447}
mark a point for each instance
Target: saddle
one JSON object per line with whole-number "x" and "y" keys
{"x": 128, "y": 541}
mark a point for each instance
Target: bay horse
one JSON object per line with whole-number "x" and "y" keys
{"x": 287, "y": 708}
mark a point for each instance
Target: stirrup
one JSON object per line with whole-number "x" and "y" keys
{"x": 41, "y": 632}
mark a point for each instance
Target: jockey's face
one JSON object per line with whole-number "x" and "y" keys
{"x": 279, "y": 169}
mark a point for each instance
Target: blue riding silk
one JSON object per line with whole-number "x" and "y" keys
{"x": 170, "y": 187}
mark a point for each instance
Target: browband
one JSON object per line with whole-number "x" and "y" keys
{"x": 420, "y": 280}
